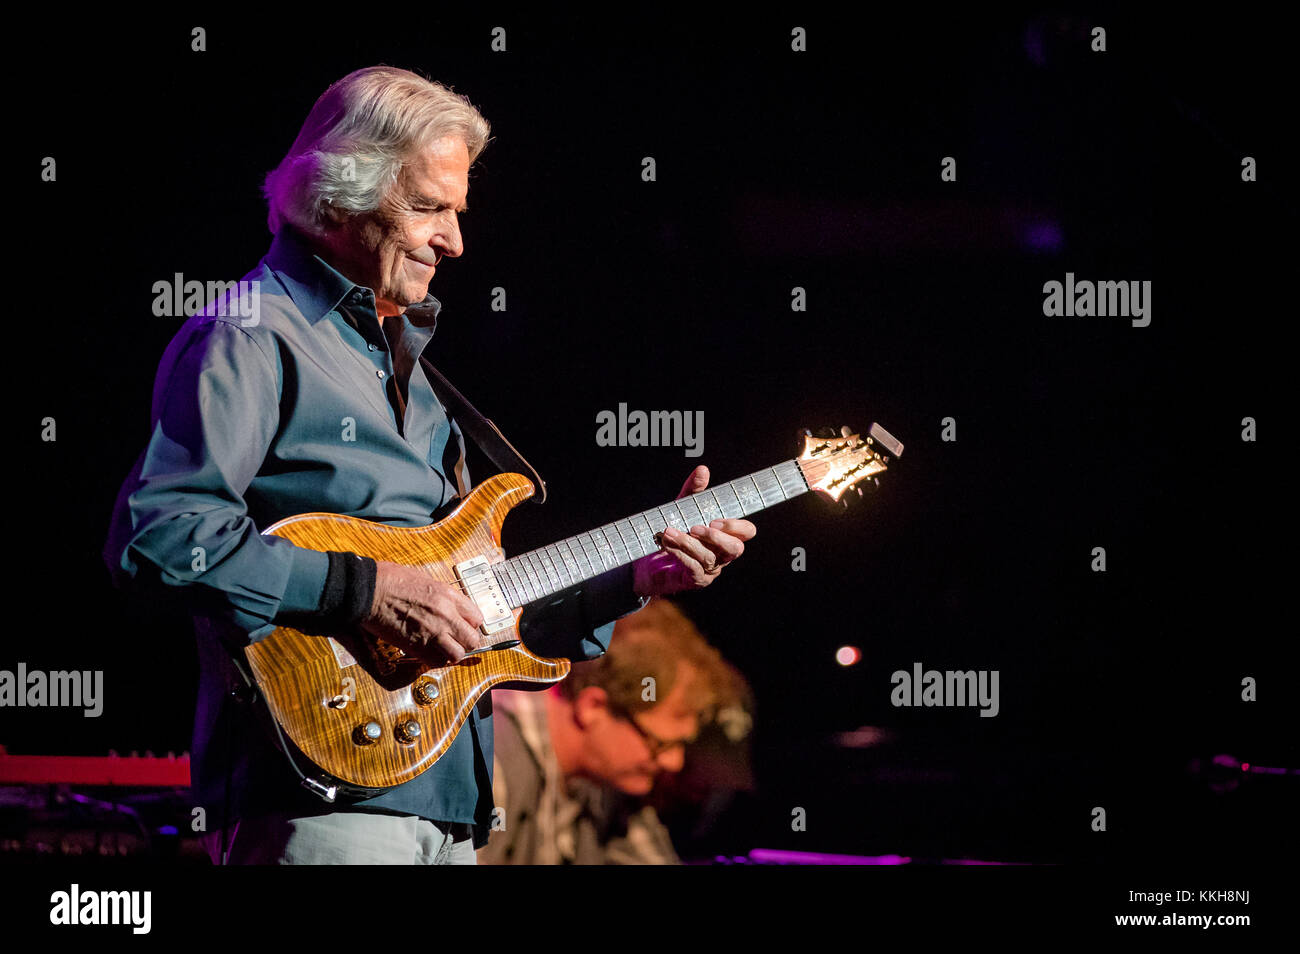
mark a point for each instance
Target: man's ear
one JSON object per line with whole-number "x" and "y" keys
{"x": 335, "y": 215}
{"x": 590, "y": 706}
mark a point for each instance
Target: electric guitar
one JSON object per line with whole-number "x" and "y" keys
{"x": 371, "y": 716}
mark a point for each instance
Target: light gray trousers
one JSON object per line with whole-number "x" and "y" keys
{"x": 343, "y": 838}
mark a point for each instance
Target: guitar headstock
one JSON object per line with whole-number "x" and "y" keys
{"x": 832, "y": 465}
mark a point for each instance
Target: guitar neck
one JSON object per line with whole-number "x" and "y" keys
{"x": 537, "y": 574}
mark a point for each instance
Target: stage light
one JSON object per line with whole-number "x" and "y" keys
{"x": 847, "y": 655}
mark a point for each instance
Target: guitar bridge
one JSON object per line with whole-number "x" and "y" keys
{"x": 481, "y": 587}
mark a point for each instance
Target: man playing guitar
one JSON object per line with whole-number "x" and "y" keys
{"x": 318, "y": 403}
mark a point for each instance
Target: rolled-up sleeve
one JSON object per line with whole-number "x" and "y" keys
{"x": 181, "y": 519}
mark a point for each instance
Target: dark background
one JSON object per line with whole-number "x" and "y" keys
{"x": 775, "y": 169}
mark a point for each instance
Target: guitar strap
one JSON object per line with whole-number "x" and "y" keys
{"x": 482, "y": 431}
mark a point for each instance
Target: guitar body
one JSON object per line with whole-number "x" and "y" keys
{"x": 325, "y": 692}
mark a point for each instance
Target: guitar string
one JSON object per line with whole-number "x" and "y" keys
{"x": 557, "y": 578}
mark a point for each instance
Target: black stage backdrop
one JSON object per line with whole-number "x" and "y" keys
{"x": 775, "y": 169}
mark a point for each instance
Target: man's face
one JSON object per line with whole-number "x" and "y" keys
{"x": 395, "y": 250}
{"x": 619, "y": 750}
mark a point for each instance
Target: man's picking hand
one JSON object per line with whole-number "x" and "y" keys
{"x": 413, "y": 611}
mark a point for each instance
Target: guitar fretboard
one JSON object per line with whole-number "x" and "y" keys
{"x": 539, "y": 573}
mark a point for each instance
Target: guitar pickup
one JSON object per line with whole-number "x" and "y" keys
{"x": 886, "y": 440}
{"x": 481, "y": 586}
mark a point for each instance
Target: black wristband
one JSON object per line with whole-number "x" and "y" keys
{"x": 349, "y": 589}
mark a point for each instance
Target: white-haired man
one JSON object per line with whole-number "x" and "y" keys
{"x": 319, "y": 403}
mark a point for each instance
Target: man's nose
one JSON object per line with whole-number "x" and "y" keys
{"x": 448, "y": 241}
{"x": 672, "y": 760}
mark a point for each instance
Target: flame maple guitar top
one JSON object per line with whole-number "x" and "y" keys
{"x": 304, "y": 676}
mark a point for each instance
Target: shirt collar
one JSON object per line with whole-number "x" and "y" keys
{"x": 317, "y": 288}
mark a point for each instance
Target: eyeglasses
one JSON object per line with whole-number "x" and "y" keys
{"x": 653, "y": 743}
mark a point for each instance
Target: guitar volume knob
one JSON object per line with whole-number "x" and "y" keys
{"x": 407, "y": 732}
{"x": 426, "y": 692}
{"x": 367, "y": 733}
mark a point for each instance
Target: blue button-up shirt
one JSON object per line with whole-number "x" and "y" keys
{"x": 295, "y": 406}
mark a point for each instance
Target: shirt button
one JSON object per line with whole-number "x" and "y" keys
{"x": 379, "y": 374}
{"x": 371, "y": 346}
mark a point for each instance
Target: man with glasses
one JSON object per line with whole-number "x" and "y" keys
{"x": 573, "y": 764}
